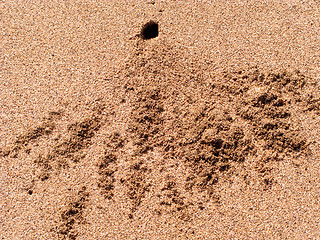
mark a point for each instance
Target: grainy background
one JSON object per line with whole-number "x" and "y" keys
{"x": 74, "y": 87}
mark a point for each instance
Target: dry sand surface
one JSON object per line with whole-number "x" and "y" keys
{"x": 209, "y": 131}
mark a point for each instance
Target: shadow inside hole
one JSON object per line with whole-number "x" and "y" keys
{"x": 150, "y": 30}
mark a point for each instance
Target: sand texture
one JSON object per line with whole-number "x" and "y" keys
{"x": 211, "y": 130}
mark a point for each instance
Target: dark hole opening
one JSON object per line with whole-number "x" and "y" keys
{"x": 150, "y": 30}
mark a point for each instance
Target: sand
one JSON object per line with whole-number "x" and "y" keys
{"x": 208, "y": 131}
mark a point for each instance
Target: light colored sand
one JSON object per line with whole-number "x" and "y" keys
{"x": 62, "y": 61}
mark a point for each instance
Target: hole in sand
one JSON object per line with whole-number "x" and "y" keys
{"x": 149, "y": 30}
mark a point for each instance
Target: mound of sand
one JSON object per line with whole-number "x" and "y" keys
{"x": 186, "y": 132}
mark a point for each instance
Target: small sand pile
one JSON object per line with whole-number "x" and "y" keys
{"x": 189, "y": 128}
